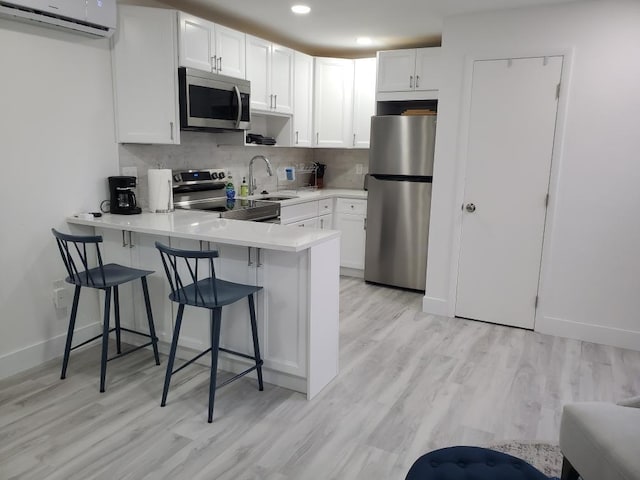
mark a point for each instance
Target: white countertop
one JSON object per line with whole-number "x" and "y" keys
{"x": 199, "y": 225}
{"x": 310, "y": 195}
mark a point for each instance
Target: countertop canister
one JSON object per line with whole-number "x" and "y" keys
{"x": 160, "y": 191}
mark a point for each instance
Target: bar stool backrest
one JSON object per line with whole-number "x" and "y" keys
{"x": 74, "y": 252}
{"x": 174, "y": 258}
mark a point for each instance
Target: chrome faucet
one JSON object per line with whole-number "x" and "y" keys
{"x": 252, "y": 181}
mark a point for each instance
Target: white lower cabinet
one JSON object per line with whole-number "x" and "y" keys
{"x": 351, "y": 220}
{"x": 280, "y": 308}
{"x": 139, "y": 251}
{"x": 325, "y": 222}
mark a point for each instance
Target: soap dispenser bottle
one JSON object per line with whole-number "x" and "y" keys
{"x": 230, "y": 188}
{"x": 244, "y": 188}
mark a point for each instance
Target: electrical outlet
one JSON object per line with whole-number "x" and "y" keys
{"x": 358, "y": 169}
{"x": 130, "y": 171}
{"x": 61, "y": 297}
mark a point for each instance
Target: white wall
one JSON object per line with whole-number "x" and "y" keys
{"x": 57, "y": 148}
{"x": 591, "y": 262}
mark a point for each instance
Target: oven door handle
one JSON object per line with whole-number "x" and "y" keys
{"x": 239, "y": 117}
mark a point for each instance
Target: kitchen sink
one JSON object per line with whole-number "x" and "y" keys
{"x": 277, "y": 198}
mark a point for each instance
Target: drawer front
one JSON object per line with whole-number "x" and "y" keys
{"x": 299, "y": 211}
{"x": 308, "y": 223}
{"x": 325, "y": 206}
{"x": 354, "y": 206}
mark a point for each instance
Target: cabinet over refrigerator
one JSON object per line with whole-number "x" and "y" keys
{"x": 399, "y": 205}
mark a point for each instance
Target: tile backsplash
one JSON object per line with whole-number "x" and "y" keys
{"x": 345, "y": 167}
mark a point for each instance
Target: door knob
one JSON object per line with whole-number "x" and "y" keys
{"x": 470, "y": 207}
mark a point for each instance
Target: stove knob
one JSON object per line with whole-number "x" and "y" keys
{"x": 176, "y": 178}
{"x": 214, "y": 175}
{"x": 220, "y": 175}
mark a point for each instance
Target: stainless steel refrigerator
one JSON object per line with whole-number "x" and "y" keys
{"x": 399, "y": 201}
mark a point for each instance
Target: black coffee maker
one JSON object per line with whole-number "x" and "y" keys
{"x": 123, "y": 198}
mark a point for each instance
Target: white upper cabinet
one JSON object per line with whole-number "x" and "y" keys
{"x": 396, "y": 69}
{"x": 270, "y": 71}
{"x": 427, "y": 69}
{"x": 145, "y": 76}
{"x": 230, "y": 52}
{"x": 333, "y": 103}
{"x": 364, "y": 100}
{"x": 259, "y": 72}
{"x": 412, "y": 70}
{"x": 210, "y": 47}
{"x": 303, "y": 100}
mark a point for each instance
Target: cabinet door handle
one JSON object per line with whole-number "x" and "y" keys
{"x": 296, "y": 137}
{"x": 131, "y": 245}
{"x": 317, "y": 138}
{"x": 410, "y": 81}
{"x": 271, "y": 101}
{"x": 214, "y": 63}
{"x": 219, "y": 64}
{"x": 124, "y": 242}
{"x": 322, "y": 223}
{"x": 259, "y": 263}
{"x": 275, "y": 101}
{"x": 354, "y": 139}
{"x": 417, "y": 81}
{"x": 249, "y": 262}
{"x": 171, "y": 128}
{"x": 365, "y": 223}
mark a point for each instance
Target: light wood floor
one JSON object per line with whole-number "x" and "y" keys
{"x": 409, "y": 383}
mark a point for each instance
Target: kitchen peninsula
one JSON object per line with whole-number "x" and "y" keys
{"x": 297, "y": 309}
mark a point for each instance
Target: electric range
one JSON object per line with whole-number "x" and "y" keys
{"x": 205, "y": 190}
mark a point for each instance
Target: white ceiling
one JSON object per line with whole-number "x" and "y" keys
{"x": 333, "y": 25}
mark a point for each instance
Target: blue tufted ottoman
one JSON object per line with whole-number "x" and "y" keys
{"x": 472, "y": 463}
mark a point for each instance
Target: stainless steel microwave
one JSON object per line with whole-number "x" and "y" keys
{"x": 211, "y": 101}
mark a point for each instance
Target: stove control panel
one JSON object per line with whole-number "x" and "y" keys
{"x": 195, "y": 177}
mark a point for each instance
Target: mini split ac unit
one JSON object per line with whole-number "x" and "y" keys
{"x": 90, "y": 17}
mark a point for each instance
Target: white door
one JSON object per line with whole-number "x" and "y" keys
{"x": 195, "y": 42}
{"x": 352, "y": 240}
{"x": 282, "y": 79}
{"x": 259, "y": 72}
{"x": 396, "y": 70}
{"x": 303, "y": 99}
{"x": 427, "y": 69}
{"x": 364, "y": 100}
{"x": 511, "y": 132}
{"x": 145, "y": 75}
{"x": 333, "y": 105}
{"x": 230, "y": 52}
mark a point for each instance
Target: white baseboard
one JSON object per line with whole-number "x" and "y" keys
{"x": 589, "y": 333}
{"x": 351, "y": 272}
{"x": 38, "y": 353}
{"x": 436, "y": 306}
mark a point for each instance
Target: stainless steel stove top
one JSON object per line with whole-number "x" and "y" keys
{"x": 205, "y": 190}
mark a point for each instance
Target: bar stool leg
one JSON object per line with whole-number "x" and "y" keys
{"x": 116, "y": 311}
{"x": 216, "y": 317}
{"x": 152, "y": 328}
{"x": 256, "y": 346}
{"x": 72, "y": 325}
{"x": 105, "y": 338}
{"x": 172, "y": 355}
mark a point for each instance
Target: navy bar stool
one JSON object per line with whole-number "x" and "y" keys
{"x": 210, "y": 293}
{"x": 73, "y": 249}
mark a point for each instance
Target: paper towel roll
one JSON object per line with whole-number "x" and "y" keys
{"x": 160, "y": 191}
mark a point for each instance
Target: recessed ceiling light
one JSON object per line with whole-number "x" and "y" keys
{"x": 364, "y": 41}
{"x": 300, "y": 9}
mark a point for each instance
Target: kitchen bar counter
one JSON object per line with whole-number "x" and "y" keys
{"x": 199, "y": 225}
{"x": 298, "y": 307}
